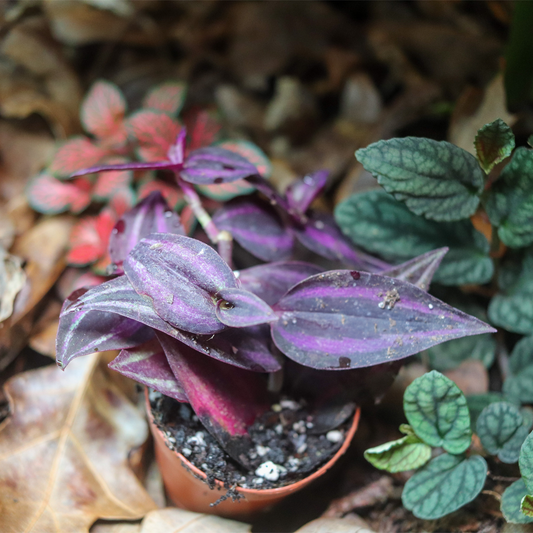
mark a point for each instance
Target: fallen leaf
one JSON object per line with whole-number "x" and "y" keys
{"x": 470, "y": 376}
{"x": 12, "y": 279}
{"x": 63, "y": 451}
{"x": 465, "y": 122}
{"x": 351, "y": 524}
{"x": 171, "y": 520}
{"x": 44, "y": 248}
{"x": 44, "y": 331}
{"x": 373, "y": 493}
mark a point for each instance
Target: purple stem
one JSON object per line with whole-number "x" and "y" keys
{"x": 223, "y": 239}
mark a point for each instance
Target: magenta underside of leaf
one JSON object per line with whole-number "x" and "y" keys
{"x": 271, "y": 281}
{"x": 226, "y": 399}
{"x": 343, "y": 319}
{"x": 157, "y": 165}
{"x": 148, "y": 364}
{"x": 257, "y": 227}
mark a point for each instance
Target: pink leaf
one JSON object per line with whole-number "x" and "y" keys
{"x": 78, "y": 152}
{"x": 50, "y": 196}
{"x": 121, "y": 201}
{"x": 102, "y": 112}
{"x": 167, "y": 97}
{"x": 110, "y": 182}
{"x": 170, "y": 193}
{"x": 204, "y": 128}
{"x": 155, "y": 133}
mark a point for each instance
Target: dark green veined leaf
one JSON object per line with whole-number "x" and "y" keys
{"x": 452, "y": 353}
{"x": 444, "y": 485}
{"x": 400, "y": 455}
{"x": 494, "y": 142}
{"x": 510, "y": 200}
{"x": 519, "y": 384}
{"x": 436, "y": 179}
{"x": 437, "y": 411}
{"x": 512, "y": 308}
{"x": 375, "y": 221}
{"x": 500, "y": 427}
{"x": 478, "y": 402}
{"x": 526, "y": 462}
{"x": 512, "y": 501}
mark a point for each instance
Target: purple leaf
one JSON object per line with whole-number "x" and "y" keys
{"x": 418, "y": 271}
{"x": 248, "y": 348}
{"x": 82, "y": 332}
{"x": 271, "y": 281}
{"x": 301, "y": 193}
{"x": 345, "y": 319}
{"x": 257, "y": 227}
{"x": 206, "y": 166}
{"x": 148, "y": 364}
{"x": 275, "y": 199}
{"x": 322, "y": 236}
{"x": 181, "y": 276}
{"x": 157, "y": 165}
{"x": 151, "y": 215}
{"x": 239, "y": 309}
{"x": 226, "y": 399}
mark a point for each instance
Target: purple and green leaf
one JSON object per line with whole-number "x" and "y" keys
{"x": 214, "y": 165}
{"x": 238, "y": 308}
{"x": 418, "y": 271}
{"x": 271, "y": 281}
{"x": 301, "y": 193}
{"x": 181, "y": 276}
{"x": 257, "y": 227}
{"x": 345, "y": 319}
{"x": 151, "y": 215}
{"x": 494, "y": 142}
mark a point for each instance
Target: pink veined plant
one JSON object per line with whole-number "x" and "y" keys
{"x": 114, "y": 137}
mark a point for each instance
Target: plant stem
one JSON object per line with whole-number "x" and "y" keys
{"x": 222, "y": 239}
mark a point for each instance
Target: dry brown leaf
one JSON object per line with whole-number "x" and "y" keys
{"x": 63, "y": 452}
{"x": 12, "y": 279}
{"x": 44, "y": 331}
{"x": 43, "y": 248}
{"x": 171, "y": 520}
{"x": 351, "y": 524}
{"x": 470, "y": 376}
{"x": 466, "y": 122}
{"x": 36, "y": 78}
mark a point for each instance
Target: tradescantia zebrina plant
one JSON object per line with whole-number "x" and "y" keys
{"x": 195, "y": 329}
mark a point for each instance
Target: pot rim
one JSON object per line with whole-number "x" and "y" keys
{"x": 292, "y": 487}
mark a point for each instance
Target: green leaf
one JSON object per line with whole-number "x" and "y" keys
{"x": 519, "y": 384}
{"x": 444, "y": 485}
{"x": 406, "y": 429}
{"x": 477, "y": 402}
{"x": 494, "y": 142}
{"x": 500, "y": 427}
{"x": 436, "y": 179}
{"x": 437, "y": 411}
{"x": 527, "y": 416}
{"x": 511, "y": 503}
{"x": 512, "y": 308}
{"x": 527, "y": 506}
{"x": 510, "y": 201}
{"x": 526, "y": 462}
{"x": 451, "y": 354}
{"x": 530, "y": 141}
{"x": 399, "y": 455}
{"x": 375, "y": 221}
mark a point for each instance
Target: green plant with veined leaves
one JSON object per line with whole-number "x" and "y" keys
{"x": 435, "y": 194}
{"x": 437, "y": 443}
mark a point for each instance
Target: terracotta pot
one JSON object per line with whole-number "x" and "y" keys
{"x": 184, "y": 485}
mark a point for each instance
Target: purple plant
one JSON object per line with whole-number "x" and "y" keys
{"x": 191, "y": 327}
